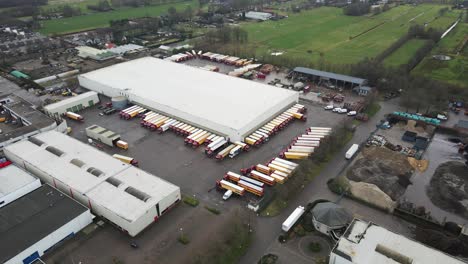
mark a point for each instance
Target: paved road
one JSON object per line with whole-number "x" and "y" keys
{"x": 268, "y": 229}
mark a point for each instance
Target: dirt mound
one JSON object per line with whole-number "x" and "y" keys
{"x": 448, "y": 188}
{"x": 419, "y": 165}
{"x": 388, "y": 170}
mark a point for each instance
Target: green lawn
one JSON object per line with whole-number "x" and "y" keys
{"x": 453, "y": 71}
{"x": 99, "y": 20}
{"x": 326, "y": 30}
{"x": 403, "y": 54}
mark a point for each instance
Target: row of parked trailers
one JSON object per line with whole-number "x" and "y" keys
{"x": 184, "y": 56}
{"x": 303, "y": 146}
{"x": 256, "y": 178}
{"x": 226, "y": 59}
{"x": 264, "y": 133}
{"x": 194, "y": 136}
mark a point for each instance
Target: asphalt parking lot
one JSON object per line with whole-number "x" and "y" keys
{"x": 166, "y": 156}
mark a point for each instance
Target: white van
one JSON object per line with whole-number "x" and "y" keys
{"x": 227, "y": 195}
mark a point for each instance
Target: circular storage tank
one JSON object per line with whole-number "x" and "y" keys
{"x": 119, "y": 102}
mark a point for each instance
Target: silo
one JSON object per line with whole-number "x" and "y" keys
{"x": 119, "y": 102}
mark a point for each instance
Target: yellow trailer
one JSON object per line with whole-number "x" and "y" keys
{"x": 296, "y": 155}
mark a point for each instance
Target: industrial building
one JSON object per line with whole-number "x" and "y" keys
{"x": 72, "y": 104}
{"x": 23, "y": 120}
{"x": 128, "y": 197}
{"x": 14, "y": 183}
{"x": 258, "y": 15}
{"x": 86, "y": 52}
{"x": 329, "y": 77}
{"x": 229, "y": 106}
{"x": 38, "y": 221}
{"x": 367, "y": 243}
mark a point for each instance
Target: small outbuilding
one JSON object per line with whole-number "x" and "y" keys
{"x": 329, "y": 217}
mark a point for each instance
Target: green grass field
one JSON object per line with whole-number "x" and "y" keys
{"x": 99, "y": 20}
{"x": 326, "y": 30}
{"x": 453, "y": 71}
{"x": 403, "y": 54}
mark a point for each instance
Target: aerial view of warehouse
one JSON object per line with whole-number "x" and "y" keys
{"x": 128, "y": 197}
{"x": 232, "y": 107}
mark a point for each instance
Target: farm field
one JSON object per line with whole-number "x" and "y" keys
{"x": 403, "y": 54}
{"x": 341, "y": 39}
{"x": 453, "y": 71}
{"x": 100, "y": 20}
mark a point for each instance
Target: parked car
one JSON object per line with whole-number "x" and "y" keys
{"x": 442, "y": 117}
{"x": 336, "y": 109}
{"x": 329, "y": 107}
{"x": 343, "y": 111}
{"x": 351, "y": 113}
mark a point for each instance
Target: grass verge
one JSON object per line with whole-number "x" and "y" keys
{"x": 190, "y": 201}
{"x": 213, "y": 210}
{"x": 372, "y": 109}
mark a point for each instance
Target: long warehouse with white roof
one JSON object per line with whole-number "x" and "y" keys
{"x": 125, "y": 195}
{"x": 226, "y": 105}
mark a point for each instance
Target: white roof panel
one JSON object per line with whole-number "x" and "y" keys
{"x": 361, "y": 239}
{"x": 13, "y": 178}
{"x": 217, "y": 101}
{"x": 70, "y": 101}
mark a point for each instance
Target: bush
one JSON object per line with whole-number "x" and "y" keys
{"x": 190, "y": 201}
{"x": 299, "y": 230}
{"x": 183, "y": 239}
{"x": 315, "y": 247}
{"x": 213, "y": 210}
{"x": 268, "y": 259}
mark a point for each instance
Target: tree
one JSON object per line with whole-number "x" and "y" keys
{"x": 172, "y": 11}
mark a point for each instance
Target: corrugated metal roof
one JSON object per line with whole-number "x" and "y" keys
{"x": 331, "y": 75}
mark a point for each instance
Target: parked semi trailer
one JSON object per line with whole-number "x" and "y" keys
{"x": 292, "y": 218}
{"x": 126, "y": 159}
{"x": 74, "y": 116}
{"x": 223, "y": 184}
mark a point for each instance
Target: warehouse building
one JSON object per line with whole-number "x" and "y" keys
{"x": 86, "y": 52}
{"x": 38, "y": 222}
{"x": 367, "y": 243}
{"x": 72, "y": 104}
{"x": 23, "y": 120}
{"x": 128, "y": 197}
{"x": 263, "y": 16}
{"x": 14, "y": 183}
{"x": 222, "y": 104}
{"x": 329, "y": 77}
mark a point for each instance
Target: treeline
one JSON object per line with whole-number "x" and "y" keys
{"x": 431, "y": 36}
{"x": 222, "y": 37}
{"x": 357, "y": 9}
{"x": 101, "y": 6}
{"x": 14, "y": 3}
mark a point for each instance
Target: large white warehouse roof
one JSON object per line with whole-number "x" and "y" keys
{"x": 94, "y": 178}
{"x": 228, "y": 105}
